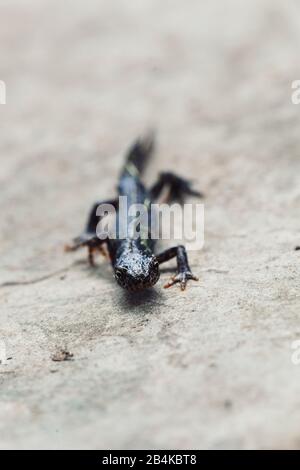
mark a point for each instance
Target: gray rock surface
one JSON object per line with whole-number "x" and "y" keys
{"x": 208, "y": 368}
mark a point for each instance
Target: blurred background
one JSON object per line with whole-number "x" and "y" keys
{"x": 208, "y": 369}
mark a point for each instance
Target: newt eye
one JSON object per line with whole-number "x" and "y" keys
{"x": 119, "y": 273}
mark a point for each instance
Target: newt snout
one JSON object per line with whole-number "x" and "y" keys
{"x": 137, "y": 272}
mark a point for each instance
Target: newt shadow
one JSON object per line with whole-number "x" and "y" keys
{"x": 144, "y": 302}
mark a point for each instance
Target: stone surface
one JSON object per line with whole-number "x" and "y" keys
{"x": 208, "y": 368}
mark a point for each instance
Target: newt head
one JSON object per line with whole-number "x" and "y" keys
{"x": 136, "y": 272}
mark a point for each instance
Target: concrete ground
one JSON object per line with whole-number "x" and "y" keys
{"x": 209, "y": 368}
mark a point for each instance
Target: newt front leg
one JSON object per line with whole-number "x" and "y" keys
{"x": 93, "y": 244}
{"x": 89, "y": 236}
{"x": 183, "y": 270}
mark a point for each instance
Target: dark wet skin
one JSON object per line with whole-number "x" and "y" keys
{"x": 135, "y": 265}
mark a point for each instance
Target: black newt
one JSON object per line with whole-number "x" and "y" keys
{"x": 135, "y": 265}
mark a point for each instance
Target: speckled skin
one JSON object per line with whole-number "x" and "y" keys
{"x": 135, "y": 265}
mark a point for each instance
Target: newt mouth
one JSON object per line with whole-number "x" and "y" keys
{"x": 135, "y": 284}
